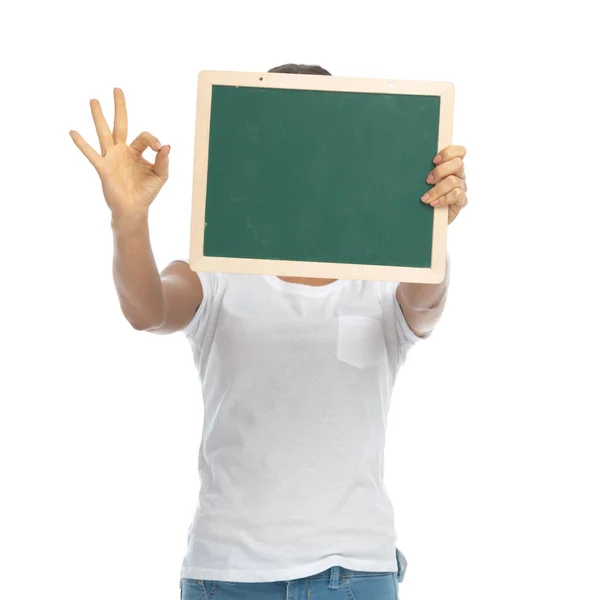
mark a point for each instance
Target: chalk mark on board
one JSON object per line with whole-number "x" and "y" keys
{"x": 253, "y": 229}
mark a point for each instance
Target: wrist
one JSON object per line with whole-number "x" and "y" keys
{"x": 124, "y": 223}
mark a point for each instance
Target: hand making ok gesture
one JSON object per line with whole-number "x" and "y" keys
{"x": 129, "y": 182}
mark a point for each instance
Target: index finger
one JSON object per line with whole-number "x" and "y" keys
{"x": 120, "y": 128}
{"x": 448, "y": 153}
{"x": 87, "y": 150}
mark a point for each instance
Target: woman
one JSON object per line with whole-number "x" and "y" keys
{"x": 297, "y": 375}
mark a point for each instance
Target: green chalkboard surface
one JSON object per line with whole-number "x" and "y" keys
{"x": 318, "y": 177}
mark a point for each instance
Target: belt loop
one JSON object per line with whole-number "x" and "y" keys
{"x": 335, "y": 575}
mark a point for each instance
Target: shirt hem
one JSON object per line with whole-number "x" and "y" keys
{"x": 256, "y": 576}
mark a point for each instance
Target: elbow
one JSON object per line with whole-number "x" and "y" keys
{"x": 144, "y": 318}
{"x": 146, "y": 324}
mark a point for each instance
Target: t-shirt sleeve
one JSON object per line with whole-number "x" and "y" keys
{"x": 209, "y": 282}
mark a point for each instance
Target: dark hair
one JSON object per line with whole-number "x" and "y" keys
{"x": 300, "y": 69}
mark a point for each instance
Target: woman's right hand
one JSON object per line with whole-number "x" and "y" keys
{"x": 129, "y": 182}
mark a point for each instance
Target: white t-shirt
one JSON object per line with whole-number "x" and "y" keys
{"x": 296, "y": 383}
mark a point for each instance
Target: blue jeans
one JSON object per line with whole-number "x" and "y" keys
{"x": 334, "y": 583}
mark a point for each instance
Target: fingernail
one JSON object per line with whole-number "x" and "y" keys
{"x": 157, "y": 146}
{"x": 433, "y": 203}
{"x": 425, "y": 197}
{"x": 437, "y": 159}
{"x": 430, "y": 178}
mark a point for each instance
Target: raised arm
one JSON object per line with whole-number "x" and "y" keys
{"x": 150, "y": 301}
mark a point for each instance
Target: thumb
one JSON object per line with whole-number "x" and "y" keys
{"x": 161, "y": 163}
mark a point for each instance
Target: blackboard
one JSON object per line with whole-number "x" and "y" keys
{"x": 318, "y": 176}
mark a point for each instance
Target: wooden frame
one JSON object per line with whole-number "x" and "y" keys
{"x": 199, "y": 262}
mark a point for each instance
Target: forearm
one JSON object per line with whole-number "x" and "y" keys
{"x": 135, "y": 273}
{"x": 423, "y": 303}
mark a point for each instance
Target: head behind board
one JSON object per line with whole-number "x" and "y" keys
{"x": 295, "y": 69}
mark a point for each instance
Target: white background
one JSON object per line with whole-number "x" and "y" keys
{"x": 493, "y": 448}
